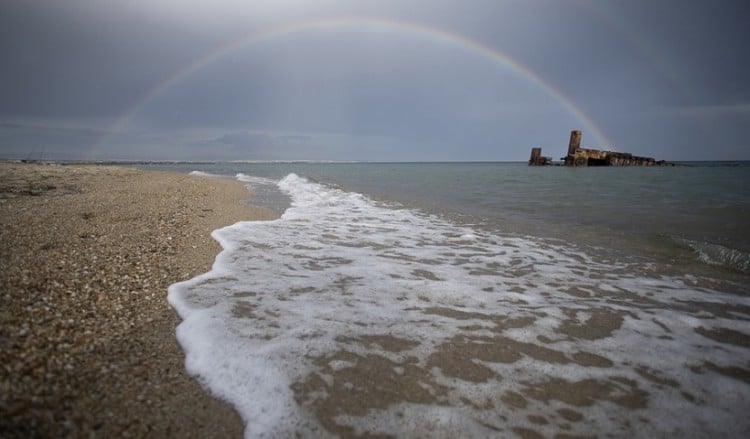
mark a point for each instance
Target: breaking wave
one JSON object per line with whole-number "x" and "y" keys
{"x": 715, "y": 254}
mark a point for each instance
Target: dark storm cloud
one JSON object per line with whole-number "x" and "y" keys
{"x": 85, "y": 58}
{"x": 31, "y": 141}
{"x": 701, "y": 41}
{"x": 92, "y": 79}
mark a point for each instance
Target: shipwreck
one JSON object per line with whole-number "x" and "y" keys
{"x": 578, "y": 156}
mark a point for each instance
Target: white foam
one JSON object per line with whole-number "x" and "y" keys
{"x": 337, "y": 267}
{"x": 253, "y": 179}
{"x": 714, "y": 254}
{"x": 203, "y": 174}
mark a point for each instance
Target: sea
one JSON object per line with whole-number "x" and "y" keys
{"x": 478, "y": 300}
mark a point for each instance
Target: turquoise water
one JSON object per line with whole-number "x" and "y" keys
{"x": 478, "y": 300}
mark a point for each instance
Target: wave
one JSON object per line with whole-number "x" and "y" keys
{"x": 350, "y": 315}
{"x": 718, "y": 255}
{"x": 203, "y": 174}
{"x": 253, "y": 179}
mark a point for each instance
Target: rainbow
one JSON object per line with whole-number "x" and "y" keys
{"x": 417, "y": 30}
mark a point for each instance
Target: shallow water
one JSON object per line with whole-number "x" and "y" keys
{"x": 378, "y": 314}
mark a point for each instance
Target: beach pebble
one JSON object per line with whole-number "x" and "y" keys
{"x": 85, "y": 328}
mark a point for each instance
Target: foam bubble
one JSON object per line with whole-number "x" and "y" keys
{"x": 714, "y": 254}
{"x": 255, "y": 180}
{"x": 350, "y": 316}
{"x": 203, "y": 174}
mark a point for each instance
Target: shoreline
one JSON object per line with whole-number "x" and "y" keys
{"x": 87, "y": 337}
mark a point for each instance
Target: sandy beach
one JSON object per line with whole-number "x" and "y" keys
{"x": 343, "y": 318}
{"x": 87, "y": 345}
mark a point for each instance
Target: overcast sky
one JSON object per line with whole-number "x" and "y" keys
{"x": 372, "y": 80}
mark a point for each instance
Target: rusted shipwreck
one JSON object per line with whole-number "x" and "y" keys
{"x": 578, "y": 156}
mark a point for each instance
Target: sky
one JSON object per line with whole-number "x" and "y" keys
{"x": 372, "y": 80}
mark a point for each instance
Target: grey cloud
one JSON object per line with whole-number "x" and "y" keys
{"x": 370, "y": 93}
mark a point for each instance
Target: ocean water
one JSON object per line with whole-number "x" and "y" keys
{"x": 479, "y": 300}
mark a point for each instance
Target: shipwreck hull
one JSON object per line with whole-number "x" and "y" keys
{"x": 578, "y": 156}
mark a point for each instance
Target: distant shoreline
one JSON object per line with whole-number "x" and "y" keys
{"x": 694, "y": 163}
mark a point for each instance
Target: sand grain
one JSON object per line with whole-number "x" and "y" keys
{"x": 86, "y": 334}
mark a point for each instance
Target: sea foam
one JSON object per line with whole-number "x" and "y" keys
{"x": 351, "y": 316}
{"x": 715, "y": 254}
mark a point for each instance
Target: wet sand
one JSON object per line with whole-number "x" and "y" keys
{"x": 87, "y": 345}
